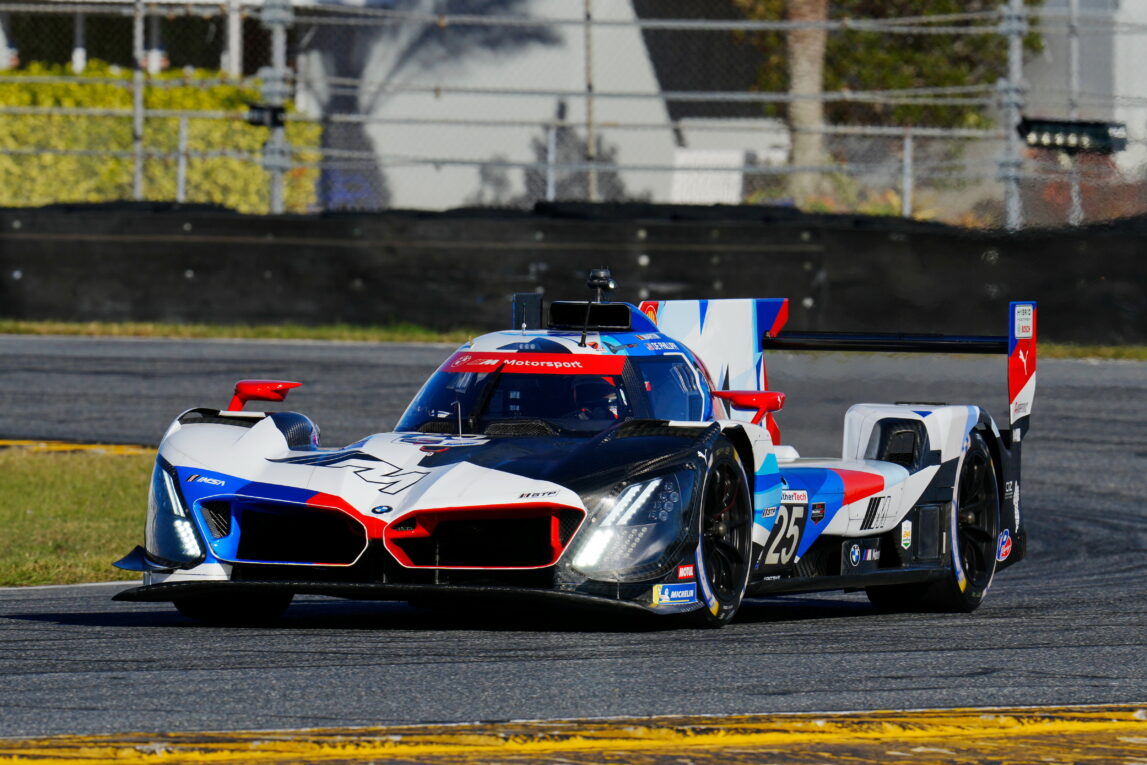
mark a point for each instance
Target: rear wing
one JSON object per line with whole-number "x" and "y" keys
{"x": 1019, "y": 345}
{"x": 730, "y": 337}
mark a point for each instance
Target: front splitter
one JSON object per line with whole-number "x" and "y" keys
{"x": 169, "y": 591}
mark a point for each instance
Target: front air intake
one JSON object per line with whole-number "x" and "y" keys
{"x": 513, "y": 537}
{"x": 247, "y": 530}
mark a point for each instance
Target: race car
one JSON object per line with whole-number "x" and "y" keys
{"x": 598, "y": 453}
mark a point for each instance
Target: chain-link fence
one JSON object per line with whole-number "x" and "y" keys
{"x": 292, "y": 105}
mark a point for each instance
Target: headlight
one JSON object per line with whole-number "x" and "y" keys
{"x": 170, "y": 536}
{"x": 634, "y": 527}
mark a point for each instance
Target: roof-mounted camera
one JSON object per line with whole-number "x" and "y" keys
{"x": 601, "y": 280}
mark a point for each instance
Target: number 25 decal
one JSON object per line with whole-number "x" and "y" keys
{"x": 786, "y": 535}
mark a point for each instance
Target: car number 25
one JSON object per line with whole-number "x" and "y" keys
{"x": 785, "y": 538}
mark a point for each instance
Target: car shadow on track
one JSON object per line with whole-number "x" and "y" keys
{"x": 318, "y": 613}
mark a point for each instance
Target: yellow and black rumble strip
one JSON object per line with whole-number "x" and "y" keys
{"x": 1099, "y": 734}
{"x": 68, "y": 446}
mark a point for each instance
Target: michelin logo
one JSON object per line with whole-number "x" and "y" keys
{"x": 666, "y": 594}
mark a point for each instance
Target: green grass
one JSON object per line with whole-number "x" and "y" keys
{"x": 396, "y": 333}
{"x": 1115, "y": 352}
{"x": 64, "y": 517}
{"x": 399, "y": 333}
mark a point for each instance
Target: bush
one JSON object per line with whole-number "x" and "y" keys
{"x": 35, "y": 176}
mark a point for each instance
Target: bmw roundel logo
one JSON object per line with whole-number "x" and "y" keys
{"x": 854, "y": 555}
{"x": 381, "y": 509}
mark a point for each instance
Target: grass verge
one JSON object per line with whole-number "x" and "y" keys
{"x": 400, "y": 333}
{"x": 391, "y": 333}
{"x": 1104, "y": 352}
{"x": 66, "y": 516}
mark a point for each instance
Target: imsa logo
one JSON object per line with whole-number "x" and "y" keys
{"x": 196, "y": 478}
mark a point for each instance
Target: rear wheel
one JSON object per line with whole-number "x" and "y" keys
{"x": 973, "y": 531}
{"x": 236, "y": 609}
{"x": 726, "y": 528}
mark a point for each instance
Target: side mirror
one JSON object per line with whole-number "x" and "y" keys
{"x": 764, "y": 401}
{"x": 259, "y": 390}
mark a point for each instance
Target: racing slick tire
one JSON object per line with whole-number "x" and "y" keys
{"x": 974, "y": 531}
{"x": 235, "y": 609}
{"x": 725, "y": 526}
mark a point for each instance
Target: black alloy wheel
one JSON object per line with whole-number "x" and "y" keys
{"x": 973, "y": 531}
{"x": 977, "y": 528}
{"x": 726, "y": 527}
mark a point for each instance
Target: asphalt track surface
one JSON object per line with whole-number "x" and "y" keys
{"x": 1066, "y": 626}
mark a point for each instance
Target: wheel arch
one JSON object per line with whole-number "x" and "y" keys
{"x": 744, "y": 448}
{"x": 987, "y": 430}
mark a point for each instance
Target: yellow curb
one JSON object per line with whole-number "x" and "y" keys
{"x": 67, "y": 446}
{"x": 1049, "y": 734}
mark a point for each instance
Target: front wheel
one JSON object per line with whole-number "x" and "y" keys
{"x": 726, "y": 528}
{"x": 247, "y": 609}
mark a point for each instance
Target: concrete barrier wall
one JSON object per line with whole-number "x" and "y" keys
{"x": 458, "y": 269}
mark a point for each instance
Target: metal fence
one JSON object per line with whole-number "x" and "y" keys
{"x": 282, "y": 105}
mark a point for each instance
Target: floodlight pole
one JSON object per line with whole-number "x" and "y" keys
{"x": 1075, "y": 212}
{"x": 137, "y": 101}
{"x": 234, "y": 51}
{"x": 590, "y": 137}
{"x": 906, "y": 172}
{"x": 79, "y": 44}
{"x": 277, "y": 16}
{"x": 1014, "y": 27}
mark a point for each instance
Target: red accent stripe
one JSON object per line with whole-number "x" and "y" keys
{"x": 374, "y": 526}
{"x": 535, "y": 363}
{"x": 858, "y": 484}
{"x": 781, "y": 320}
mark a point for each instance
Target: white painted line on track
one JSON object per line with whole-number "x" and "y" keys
{"x": 63, "y": 586}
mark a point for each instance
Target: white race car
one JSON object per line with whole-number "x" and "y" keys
{"x": 603, "y": 454}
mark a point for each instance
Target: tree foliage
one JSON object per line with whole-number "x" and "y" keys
{"x": 865, "y": 61}
{"x": 49, "y": 158}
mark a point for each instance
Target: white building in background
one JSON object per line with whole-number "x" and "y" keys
{"x": 1131, "y": 81}
{"x": 444, "y": 138}
{"x": 1112, "y": 73}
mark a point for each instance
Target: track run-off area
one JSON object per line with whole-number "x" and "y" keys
{"x": 359, "y": 680}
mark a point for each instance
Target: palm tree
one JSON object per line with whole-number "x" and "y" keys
{"x": 805, "y": 48}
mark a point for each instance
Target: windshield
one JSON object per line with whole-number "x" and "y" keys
{"x": 573, "y": 392}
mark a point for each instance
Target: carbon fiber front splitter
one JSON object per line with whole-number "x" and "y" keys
{"x": 170, "y": 591}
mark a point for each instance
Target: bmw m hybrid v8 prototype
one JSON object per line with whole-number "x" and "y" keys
{"x": 589, "y": 455}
